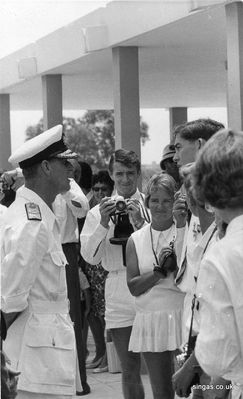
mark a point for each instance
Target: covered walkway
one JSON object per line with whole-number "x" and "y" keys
{"x": 130, "y": 55}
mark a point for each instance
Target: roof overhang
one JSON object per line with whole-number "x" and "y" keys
{"x": 182, "y": 57}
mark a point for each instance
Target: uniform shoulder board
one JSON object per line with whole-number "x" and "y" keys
{"x": 76, "y": 203}
{"x": 33, "y": 211}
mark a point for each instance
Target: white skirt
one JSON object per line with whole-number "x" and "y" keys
{"x": 156, "y": 331}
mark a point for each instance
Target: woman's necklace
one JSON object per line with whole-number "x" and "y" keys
{"x": 165, "y": 238}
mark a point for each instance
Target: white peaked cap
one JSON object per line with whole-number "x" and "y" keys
{"x": 44, "y": 146}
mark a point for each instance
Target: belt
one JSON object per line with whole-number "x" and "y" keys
{"x": 113, "y": 273}
{"x": 49, "y": 306}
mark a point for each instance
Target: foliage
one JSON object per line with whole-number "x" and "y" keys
{"x": 147, "y": 171}
{"x": 91, "y": 136}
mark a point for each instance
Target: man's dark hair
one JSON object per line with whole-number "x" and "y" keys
{"x": 31, "y": 172}
{"x": 127, "y": 158}
{"x": 199, "y": 128}
{"x": 86, "y": 176}
{"x": 103, "y": 177}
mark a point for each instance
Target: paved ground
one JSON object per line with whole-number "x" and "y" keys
{"x": 108, "y": 386}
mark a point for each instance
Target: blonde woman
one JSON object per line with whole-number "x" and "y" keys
{"x": 156, "y": 329}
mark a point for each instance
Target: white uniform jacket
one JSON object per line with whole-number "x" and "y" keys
{"x": 219, "y": 346}
{"x": 68, "y": 207}
{"x": 40, "y": 342}
{"x": 95, "y": 248}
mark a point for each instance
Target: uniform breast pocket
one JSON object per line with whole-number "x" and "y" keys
{"x": 59, "y": 261}
{"x": 49, "y": 356}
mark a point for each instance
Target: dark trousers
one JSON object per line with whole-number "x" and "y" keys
{"x": 73, "y": 288}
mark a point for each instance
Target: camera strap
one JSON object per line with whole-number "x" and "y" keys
{"x": 152, "y": 243}
{"x": 191, "y": 338}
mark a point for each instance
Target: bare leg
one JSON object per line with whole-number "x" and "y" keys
{"x": 132, "y": 385}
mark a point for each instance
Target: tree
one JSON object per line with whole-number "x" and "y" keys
{"x": 91, "y": 136}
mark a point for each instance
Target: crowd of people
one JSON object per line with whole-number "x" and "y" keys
{"x": 160, "y": 273}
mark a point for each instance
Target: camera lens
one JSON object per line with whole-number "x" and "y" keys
{"x": 120, "y": 205}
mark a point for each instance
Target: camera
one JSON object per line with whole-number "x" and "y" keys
{"x": 7, "y": 195}
{"x": 181, "y": 359}
{"x": 123, "y": 227}
{"x": 121, "y": 204}
{"x": 3, "y": 186}
{"x": 169, "y": 264}
{"x": 183, "y": 356}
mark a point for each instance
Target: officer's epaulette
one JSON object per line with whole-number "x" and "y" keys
{"x": 76, "y": 203}
{"x": 33, "y": 211}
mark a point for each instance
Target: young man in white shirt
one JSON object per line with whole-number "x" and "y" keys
{"x": 124, "y": 169}
{"x": 190, "y": 137}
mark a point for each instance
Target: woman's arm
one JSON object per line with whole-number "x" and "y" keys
{"x": 138, "y": 284}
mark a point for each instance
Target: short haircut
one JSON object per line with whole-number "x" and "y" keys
{"x": 127, "y": 158}
{"x": 86, "y": 175}
{"x": 103, "y": 177}
{"x": 160, "y": 180}
{"x": 218, "y": 173}
{"x": 199, "y": 128}
{"x": 31, "y": 171}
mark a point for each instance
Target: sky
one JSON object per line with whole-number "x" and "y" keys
{"x": 22, "y": 22}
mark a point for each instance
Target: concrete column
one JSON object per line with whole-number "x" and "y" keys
{"x": 178, "y": 115}
{"x": 234, "y": 18}
{"x": 126, "y": 98}
{"x": 52, "y": 100}
{"x": 5, "y": 135}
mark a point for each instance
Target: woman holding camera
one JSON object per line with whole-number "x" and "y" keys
{"x": 151, "y": 266}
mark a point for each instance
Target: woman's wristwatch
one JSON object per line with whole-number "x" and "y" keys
{"x": 158, "y": 269}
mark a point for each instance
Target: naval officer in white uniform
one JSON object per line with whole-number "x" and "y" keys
{"x": 40, "y": 339}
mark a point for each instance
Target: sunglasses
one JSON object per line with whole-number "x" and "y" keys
{"x": 102, "y": 189}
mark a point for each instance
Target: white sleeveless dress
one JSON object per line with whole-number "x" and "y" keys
{"x": 157, "y": 324}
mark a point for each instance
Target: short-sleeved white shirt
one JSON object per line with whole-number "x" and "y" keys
{"x": 219, "y": 347}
